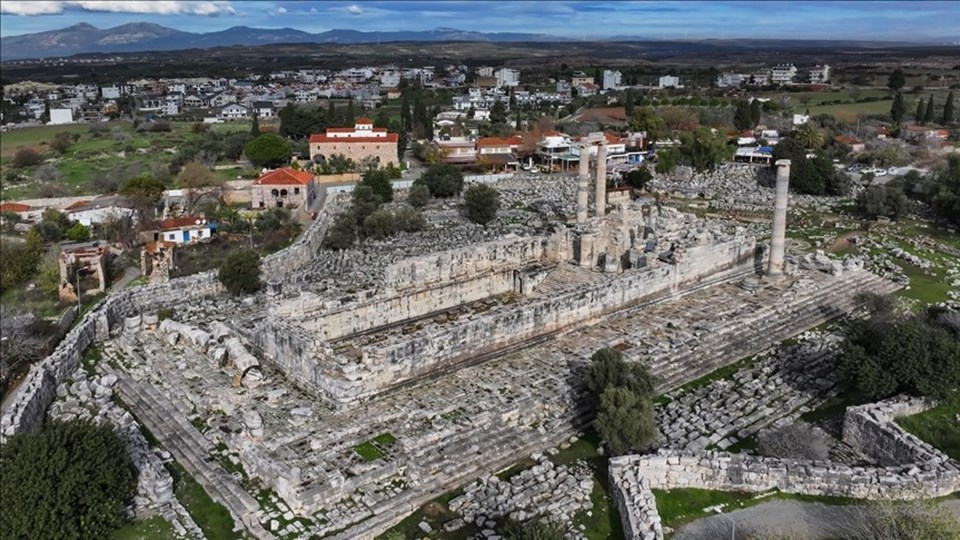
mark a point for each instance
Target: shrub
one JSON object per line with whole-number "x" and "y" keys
{"x": 481, "y": 202}
{"x": 26, "y": 157}
{"x": 442, "y": 180}
{"x": 379, "y": 225}
{"x": 78, "y": 233}
{"x": 47, "y": 173}
{"x": 61, "y": 143}
{"x": 419, "y": 196}
{"x": 240, "y": 272}
{"x": 342, "y": 233}
{"x": 794, "y": 441}
{"x": 638, "y": 178}
{"x": 407, "y": 219}
{"x": 379, "y": 182}
{"x": 365, "y": 202}
{"x": 534, "y": 529}
{"x": 70, "y": 480}
{"x": 882, "y": 200}
{"x": 199, "y": 127}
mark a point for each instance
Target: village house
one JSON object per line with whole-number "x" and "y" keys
{"x": 182, "y": 230}
{"x": 233, "y": 111}
{"x": 283, "y": 188}
{"x": 105, "y": 209}
{"x": 362, "y": 143}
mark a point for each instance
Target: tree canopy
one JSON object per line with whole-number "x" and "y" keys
{"x": 268, "y": 150}
{"x": 481, "y": 202}
{"x": 704, "y": 149}
{"x": 896, "y": 80}
{"x": 442, "y": 180}
{"x": 379, "y": 182}
{"x": 71, "y": 480}
{"x": 240, "y": 272}
{"x": 622, "y": 394}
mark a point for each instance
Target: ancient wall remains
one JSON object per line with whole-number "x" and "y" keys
{"x": 870, "y": 429}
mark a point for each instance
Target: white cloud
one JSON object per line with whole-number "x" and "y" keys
{"x": 355, "y": 10}
{"x": 281, "y": 10}
{"x": 153, "y": 7}
{"x": 17, "y": 7}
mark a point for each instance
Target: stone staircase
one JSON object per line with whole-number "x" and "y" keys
{"x": 190, "y": 448}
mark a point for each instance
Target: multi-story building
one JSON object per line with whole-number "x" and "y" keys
{"x": 362, "y": 143}
{"x": 669, "y": 81}
{"x": 611, "y": 79}
{"x": 507, "y": 77}
{"x": 783, "y": 73}
{"x": 283, "y": 188}
{"x": 579, "y": 78}
{"x": 820, "y": 74}
{"x": 731, "y": 80}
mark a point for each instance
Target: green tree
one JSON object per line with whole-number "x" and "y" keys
{"x": 351, "y": 115}
{"x": 406, "y": 118}
{"x": 407, "y": 219}
{"x": 61, "y": 143}
{"x": 240, "y": 272}
{"x": 742, "y": 119}
{"x": 498, "y": 113}
{"x": 332, "y": 118}
{"x": 379, "y": 225}
{"x": 422, "y": 125}
{"x": 77, "y": 233}
{"x": 667, "y": 160}
{"x": 638, "y": 178}
{"x": 704, "y": 149}
{"x": 19, "y": 260}
{"x": 948, "y": 114}
{"x": 921, "y": 111}
{"x": 268, "y": 150}
{"x": 442, "y": 180}
{"x": 365, "y": 202}
{"x": 928, "y": 112}
{"x": 342, "y": 233}
{"x": 898, "y": 109}
{"x": 144, "y": 191}
{"x": 896, "y": 80}
{"x": 481, "y": 202}
{"x": 946, "y": 191}
{"x": 300, "y": 122}
{"x": 255, "y": 125}
{"x": 379, "y": 182}
{"x": 419, "y": 195}
{"x": 882, "y": 200}
{"x": 644, "y": 119}
{"x": 608, "y": 369}
{"x": 628, "y": 104}
{"x": 71, "y": 480}
{"x": 625, "y": 420}
{"x": 403, "y": 139}
{"x": 809, "y": 135}
{"x": 755, "y": 113}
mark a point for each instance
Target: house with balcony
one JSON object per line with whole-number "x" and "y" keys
{"x": 783, "y": 73}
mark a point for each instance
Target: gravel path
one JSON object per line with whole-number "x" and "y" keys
{"x": 805, "y": 519}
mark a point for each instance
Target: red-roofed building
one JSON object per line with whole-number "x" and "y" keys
{"x": 182, "y": 230}
{"x": 25, "y": 211}
{"x": 283, "y": 188}
{"x": 362, "y": 143}
{"x": 498, "y": 145}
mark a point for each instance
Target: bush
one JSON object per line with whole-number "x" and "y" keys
{"x": 47, "y": 173}
{"x": 365, "y": 202}
{"x": 379, "y": 225}
{"x": 534, "y": 529}
{"x": 638, "y": 178}
{"x": 419, "y": 196}
{"x": 442, "y": 180}
{"x": 240, "y": 272}
{"x": 61, "y": 143}
{"x": 481, "y": 202}
{"x": 882, "y": 200}
{"x": 379, "y": 182}
{"x": 268, "y": 150}
{"x": 794, "y": 441}
{"x": 199, "y": 127}
{"x": 408, "y": 219}
{"x": 26, "y": 157}
{"x": 78, "y": 233}
{"x": 342, "y": 233}
{"x": 71, "y": 480}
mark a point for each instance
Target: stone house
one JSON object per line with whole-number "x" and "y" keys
{"x": 82, "y": 260}
{"x": 283, "y": 188}
{"x": 361, "y": 143}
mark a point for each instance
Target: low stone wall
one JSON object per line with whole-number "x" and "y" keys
{"x": 928, "y": 473}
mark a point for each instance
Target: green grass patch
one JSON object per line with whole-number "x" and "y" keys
{"x": 368, "y": 451}
{"x": 864, "y": 108}
{"x": 385, "y": 439}
{"x": 604, "y": 521}
{"x": 212, "y": 518}
{"x": 436, "y": 513}
{"x": 16, "y": 138}
{"x": 937, "y": 426}
{"x": 155, "y": 528}
{"x": 924, "y": 288}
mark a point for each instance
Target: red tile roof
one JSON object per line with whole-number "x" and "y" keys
{"x": 285, "y": 177}
{"x": 78, "y": 204}
{"x": 391, "y": 137}
{"x": 353, "y": 129}
{"x": 363, "y": 120}
{"x": 487, "y": 142}
{"x": 14, "y": 207}
{"x": 176, "y": 223}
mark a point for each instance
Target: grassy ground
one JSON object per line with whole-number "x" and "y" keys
{"x": 937, "y": 426}
{"x": 681, "y": 506}
{"x": 155, "y": 528}
{"x": 212, "y": 518}
{"x": 34, "y": 136}
{"x": 862, "y": 108}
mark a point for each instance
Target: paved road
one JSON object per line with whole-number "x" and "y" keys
{"x": 804, "y": 519}
{"x": 130, "y": 273}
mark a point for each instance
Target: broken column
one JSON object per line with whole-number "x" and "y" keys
{"x": 583, "y": 184}
{"x": 777, "y": 239}
{"x": 601, "y": 185}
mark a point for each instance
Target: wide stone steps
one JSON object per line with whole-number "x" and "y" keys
{"x": 191, "y": 450}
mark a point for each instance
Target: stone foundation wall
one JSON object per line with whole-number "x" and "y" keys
{"x": 870, "y": 429}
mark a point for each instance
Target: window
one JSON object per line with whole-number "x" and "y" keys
{"x": 274, "y": 192}
{"x": 296, "y": 191}
{"x": 261, "y": 204}
{"x": 283, "y": 193}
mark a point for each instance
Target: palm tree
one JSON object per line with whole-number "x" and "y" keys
{"x": 810, "y": 136}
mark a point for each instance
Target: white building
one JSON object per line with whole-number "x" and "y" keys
{"x": 183, "y": 230}
{"x": 731, "y": 80}
{"x": 507, "y": 77}
{"x": 60, "y": 116}
{"x": 390, "y": 78}
{"x": 783, "y": 73}
{"x": 101, "y": 210}
{"x": 760, "y": 78}
{"x": 669, "y": 81}
{"x": 820, "y": 74}
{"x": 485, "y": 72}
{"x": 611, "y": 79}
{"x": 233, "y": 110}
{"x": 110, "y": 92}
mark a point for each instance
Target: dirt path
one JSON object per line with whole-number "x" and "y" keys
{"x": 843, "y": 241}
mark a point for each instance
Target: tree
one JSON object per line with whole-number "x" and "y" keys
{"x": 19, "y": 260}
{"x": 644, "y": 119}
{"x": 898, "y": 109}
{"x": 625, "y": 420}
{"x": 921, "y": 111}
{"x": 809, "y": 135}
{"x": 70, "y": 480}
{"x": 422, "y": 125}
{"x": 268, "y": 150}
{"x": 405, "y": 117}
{"x": 365, "y": 202}
{"x": 794, "y": 441}
{"x": 77, "y": 233}
{"x": 26, "y": 157}
{"x": 419, "y": 195}
{"x": 755, "y": 113}
{"x": 407, "y": 219}
{"x": 946, "y": 191}
{"x": 742, "y": 119}
{"x": 638, "y": 178}
{"x": 240, "y": 272}
{"x": 351, "y": 116}
{"x": 442, "y": 180}
{"x": 928, "y": 113}
{"x": 948, "y": 113}
{"x": 379, "y": 225}
{"x": 193, "y": 179}
{"x": 704, "y": 149}
{"x": 667, "y": 160}
{"x": 628, "y": 104}
{"x": 481, "y": 202}
{"x": 608, "y": 369}
{"x": 255, "y": 125}
{"x": 882, "y": 200}
{"x": 498, "y": 113}
{"x": 342, "y": 233}
{"x": 379, "y": 182}
{"x": 299, "y": 122}
{"x": 897, "y": 80}
{"x": 61, "y": 143}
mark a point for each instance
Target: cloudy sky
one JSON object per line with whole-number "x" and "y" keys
{"x": 900, "y": 20}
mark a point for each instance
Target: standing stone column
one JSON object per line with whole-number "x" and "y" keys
{"x": 583, "y": 184}
{"x": 601, "y": 186}
{"x": 778, "y": 239}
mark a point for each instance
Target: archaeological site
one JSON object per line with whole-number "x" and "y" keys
{"x": 359, "y": 385}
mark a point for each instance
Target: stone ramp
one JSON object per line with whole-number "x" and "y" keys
{"x": 191, "y": 450}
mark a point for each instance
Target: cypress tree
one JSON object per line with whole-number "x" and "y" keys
{"x": 405, "y": 117}
{"x": 350, "y": 114}
{"x": 948, "y": 110}
{"x": 255, "y": 127}
{"x": 898, "y": 109}
{"x": 331, "y": 113}
{"x": 755, "y": 112}
{"x": 741, "y": 117}
{"x": 519, "y": 122}
{"x": 921, "y": 111}
{"x": 928, "y": 114}
{"x": 628, "y": 104}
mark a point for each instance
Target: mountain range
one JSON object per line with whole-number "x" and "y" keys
{"x": 135, "y": 37}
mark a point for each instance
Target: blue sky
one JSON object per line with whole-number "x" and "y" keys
{"x": 799, "y": 19}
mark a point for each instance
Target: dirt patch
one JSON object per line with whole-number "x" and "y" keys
{"x": 843, "y": 241}
{"x": 606, "y": 115}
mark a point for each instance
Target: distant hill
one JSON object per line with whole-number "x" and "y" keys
{"x": 136, "y": 37}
